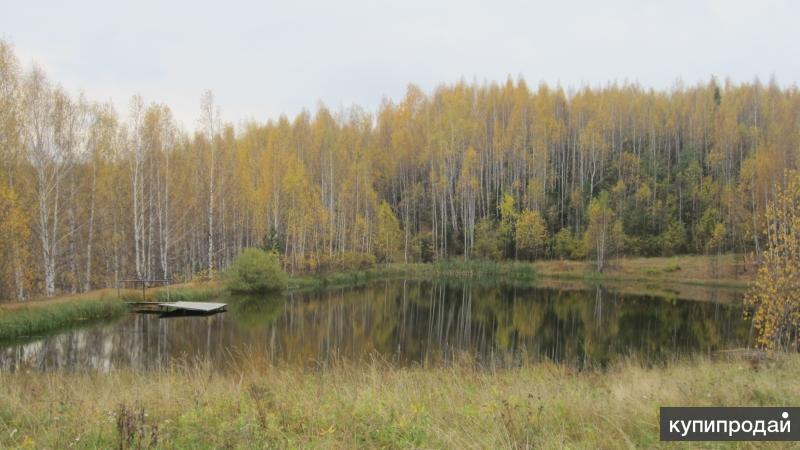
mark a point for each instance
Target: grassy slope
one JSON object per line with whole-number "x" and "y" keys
{"x": 727, "y": 270}
{"x": 541, "y": 406}
{"x": 506, "y": 271}
{"x": 693, "y": 277}
{"x": 37, "y": 317}
{"x": 24, "y": 319}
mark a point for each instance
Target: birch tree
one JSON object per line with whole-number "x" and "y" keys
{"x": 210, "y": 125}
{"x": 53, "y": 127}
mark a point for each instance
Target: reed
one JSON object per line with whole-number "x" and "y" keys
{"x": 29, "y": 321}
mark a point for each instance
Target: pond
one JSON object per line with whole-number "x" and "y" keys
{"x": 405, "y": 323}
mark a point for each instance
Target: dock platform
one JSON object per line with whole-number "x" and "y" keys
{"x": 179, "y": 307}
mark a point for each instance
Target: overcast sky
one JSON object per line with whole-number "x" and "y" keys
{"x": 265, "y": 58}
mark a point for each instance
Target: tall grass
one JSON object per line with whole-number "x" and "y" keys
{"x": 191, "y": 293}
{"x": 353, "y": 278}
{"x": 448, "y": 269}
{"x": 258, "y": 405}
{"x": 38, "y": 319}
{"x": 507, "y": 270}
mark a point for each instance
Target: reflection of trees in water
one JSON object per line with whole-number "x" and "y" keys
{"x": 417, "y": 321}
{"x": 413, "y": 322}
{"x": 138, "y": 341}
{"x": 404, "y": 321}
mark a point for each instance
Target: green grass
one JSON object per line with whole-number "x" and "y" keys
{"x": 375, "y": 405}
{"x": 727, "y": 272}
{"x": 35, "y": 320}
{"x": 191, "y": 293}
{"x": 24, "y": 320}
{"x": 448, "y": 269}
{"x": 355, "y": 278}
{"x": 507, "y": 270}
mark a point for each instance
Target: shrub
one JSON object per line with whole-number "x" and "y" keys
{"x": 389, "y": 237}
{"x": 488, "y": 244}
{"x": 421, "y": 247}
{"x": 256, "y": 271}
{"x": 673, "y": 239}
{"x": 568, "y": 246}
{"x": 343, "y": 262}
{"x": 774, "y": 300}
{"x": 531, "y": 235}
{"x": 349, "y": 261}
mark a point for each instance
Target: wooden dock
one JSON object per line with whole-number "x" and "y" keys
{"x": 179, "y": 307}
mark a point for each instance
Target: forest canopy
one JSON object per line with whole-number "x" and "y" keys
{"x": 491, "y": 170}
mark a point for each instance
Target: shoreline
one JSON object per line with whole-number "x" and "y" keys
{"x": 658, "y": 277}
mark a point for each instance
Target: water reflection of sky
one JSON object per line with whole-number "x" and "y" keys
{"x": 405, "y": 322}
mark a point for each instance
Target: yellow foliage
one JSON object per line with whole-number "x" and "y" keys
{"x": 531, "y": 233}
{"x": 774, "y": 301}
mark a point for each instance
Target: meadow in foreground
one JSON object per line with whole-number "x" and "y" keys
{"x": 372, "y": 404}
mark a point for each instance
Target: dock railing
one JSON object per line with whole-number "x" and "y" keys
{"x": 144, "y": 285}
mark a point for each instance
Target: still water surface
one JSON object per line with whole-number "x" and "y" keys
{"x": 404, "y": 322}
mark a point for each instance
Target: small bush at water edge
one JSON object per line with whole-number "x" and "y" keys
{"x": 256, "y": 271}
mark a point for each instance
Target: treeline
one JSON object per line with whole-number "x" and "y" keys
{"x": 470, "y": 170}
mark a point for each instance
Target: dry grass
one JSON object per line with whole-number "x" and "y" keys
{"x": 373, "y": 405}
{"x": 728, "y": 270}
{"x": 111, "y": 293}
{"x": 98, "y": 294}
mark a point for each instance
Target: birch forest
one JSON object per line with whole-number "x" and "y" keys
{"x": 489, "y": 170}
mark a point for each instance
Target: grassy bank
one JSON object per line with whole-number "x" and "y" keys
{"x": 723, "y": 271}
{"x": 24, "y": 320}
{"x": 451, "y": 269}
{"x": 373, "y": 405}
{"x": 694, "y": 277}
